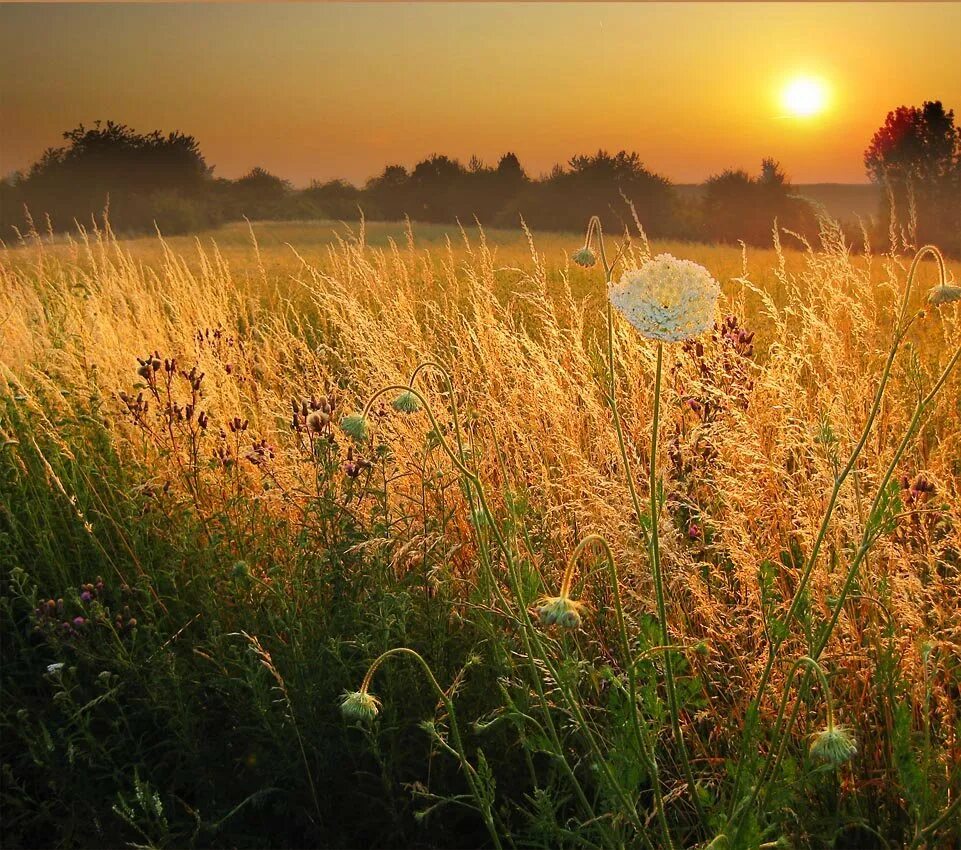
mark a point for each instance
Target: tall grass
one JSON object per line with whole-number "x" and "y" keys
{"x": 214, "y": 562}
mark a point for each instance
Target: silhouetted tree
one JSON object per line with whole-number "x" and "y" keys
{"x": 596, "y": 183}
{"x": 112, "y": 162}
{"x": 916, "y": 153}
{"x": 338, "y": 199}
{"x": 390, "y": 192}
{"x": 737, "y": 206}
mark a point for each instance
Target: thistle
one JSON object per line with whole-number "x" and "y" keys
{"x": 359, "y": 706}
{"x": 355, "y": 426}
{"x": 833, "y": 744}
{"x": 406, "y": 402}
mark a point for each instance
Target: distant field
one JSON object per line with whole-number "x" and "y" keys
{"x": 843, "y": 201}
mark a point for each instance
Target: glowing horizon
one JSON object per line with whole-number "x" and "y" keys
{"x": 327, "y": 91}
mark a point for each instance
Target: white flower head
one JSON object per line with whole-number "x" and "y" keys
{"x": 666, "y": 298}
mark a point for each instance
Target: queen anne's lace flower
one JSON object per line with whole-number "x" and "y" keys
{"x": 667, "y": 298}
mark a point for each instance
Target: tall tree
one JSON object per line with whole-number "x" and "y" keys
{"x": 916, "y": 154}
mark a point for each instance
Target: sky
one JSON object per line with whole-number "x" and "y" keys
{"x": 323, "y": 91}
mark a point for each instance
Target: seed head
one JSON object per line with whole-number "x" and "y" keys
{"x": 355, "y": 425}
{"x": 359, "y": 706}
{"x": 834, "y": 745}
{"x": 584, "y": 257}
{"x": 317, "y": 421}
{"x": 406, "y": 402}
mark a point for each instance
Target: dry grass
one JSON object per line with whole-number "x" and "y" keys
{"x": 520, "y": 331}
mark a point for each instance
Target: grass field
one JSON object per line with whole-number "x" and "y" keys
{"x": 198, "y": 562}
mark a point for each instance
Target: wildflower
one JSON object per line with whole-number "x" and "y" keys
{"x": 79, "y": 621}
{"x": 355, "y": 425}
{"x": 55, "y": 668}
{"x": 359, "y": 705}
{"x": 406, "y": 402}
{"x": 834, "y": 745}
{"x": 667, "y": 299}
{"x": 584, "y": 257}
{"x": 560, "y": 610}
{"x": 317, "y": 421}
{"x": 944, "y": 294}
{"x": 693, "y": 531}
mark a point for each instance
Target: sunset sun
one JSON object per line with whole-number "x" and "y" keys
{"x": 804, "y": 97}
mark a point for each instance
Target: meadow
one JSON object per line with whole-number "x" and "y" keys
{"x": 285, "y": 509}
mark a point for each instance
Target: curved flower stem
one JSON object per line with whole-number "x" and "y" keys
{"x": 774, "y": 757}
{"x": 470, "y": 773}
{"x": 870, "y": 530}
{"x": 430, "y": 364}
{"x": 529, "y": 630}
{"x": 901, "y": 328}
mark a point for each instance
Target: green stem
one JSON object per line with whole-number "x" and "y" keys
{"x": 901, "y": 329}
{"x": 655, "y": 549}
{"x": 469, "y": 772}
{"x": 645, "y": 746}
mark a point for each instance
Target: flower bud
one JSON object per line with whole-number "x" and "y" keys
{"x": 584, "y": 257}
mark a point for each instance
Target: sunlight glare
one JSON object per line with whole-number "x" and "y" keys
{"x": 804, "y": 97}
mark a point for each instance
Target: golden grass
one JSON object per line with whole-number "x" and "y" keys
{"x": 520, "y": 331}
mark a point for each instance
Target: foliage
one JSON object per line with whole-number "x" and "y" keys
{"x": 738, "y": 207}
{"x": 916, "y": 154}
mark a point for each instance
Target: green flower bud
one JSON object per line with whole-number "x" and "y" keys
{"x": 560, "y": 611}
{"x": 944, "y": 294}
{"x": 359, "y": 706}
{"x": 834, "y": 745}
{"x": 584, "y": 257}
{"x": 355, "y": 426}
{"x": 406, "y": 402}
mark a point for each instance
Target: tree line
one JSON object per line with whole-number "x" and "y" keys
{"x": 163, "y": 180}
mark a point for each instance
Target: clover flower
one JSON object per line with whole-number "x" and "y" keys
{"x": 834, "y": 745}
{"x": 666, "y": 298}
{"x": 406, "y": 402}
{"x": 359, "y": 706}
{"x": 355, "y": 425}
{"x": 560, "y": 610}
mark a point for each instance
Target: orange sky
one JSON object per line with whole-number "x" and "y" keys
{"x": 324, "y": 91}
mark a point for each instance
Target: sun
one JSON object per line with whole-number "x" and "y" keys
{"x": 804, "y": 97}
